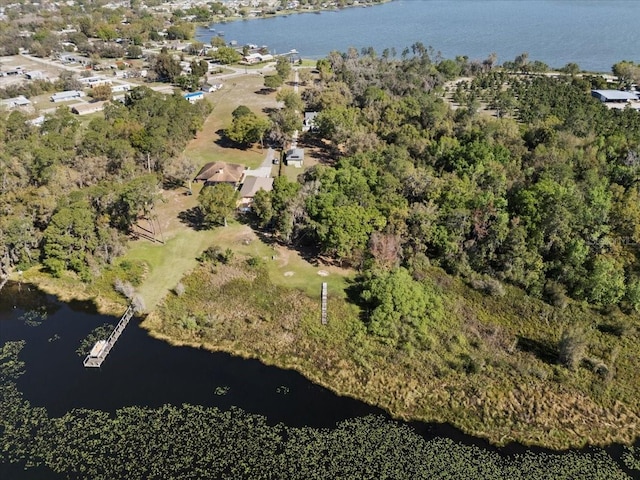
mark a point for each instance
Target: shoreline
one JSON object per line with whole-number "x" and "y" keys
{"x": 150, "y": 323}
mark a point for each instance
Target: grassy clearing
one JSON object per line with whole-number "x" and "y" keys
{"x": 242, "y": 90}
{"x": 484, "y": 369}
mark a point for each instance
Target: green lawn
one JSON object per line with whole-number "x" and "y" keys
{"x": 167, "y": 263}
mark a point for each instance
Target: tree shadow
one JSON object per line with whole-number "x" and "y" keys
{"x": 354, "y": 290}
{"x": 264, "y": 91}
{"x": 170, "y": 183}
{"x": 542, "y": 350}
{"x": 224, "y": 142}
{"x": 192, "y": 218}
{"x": 324, "y": 153}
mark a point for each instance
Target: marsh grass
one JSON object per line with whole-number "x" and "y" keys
{"x": 472, "y": 371}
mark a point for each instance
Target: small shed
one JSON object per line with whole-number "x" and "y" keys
{"x": 295, "y": 157}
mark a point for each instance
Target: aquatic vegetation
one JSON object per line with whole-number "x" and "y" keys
{"x": 34, "y": 318}
{"x": 222, "y": 390}
{"x": 196, "y": 442}
{"x": 631, "y": 458}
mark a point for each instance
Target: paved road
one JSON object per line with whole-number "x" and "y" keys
{"x": 264, "y": 170}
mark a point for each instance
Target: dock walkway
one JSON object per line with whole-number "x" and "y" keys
{"x": 324, "y": 303}
{"x": 102, "y": 348}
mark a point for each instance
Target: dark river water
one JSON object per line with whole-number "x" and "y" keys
{"x": 147, "y": 372}
{"x": 595, "y": 34}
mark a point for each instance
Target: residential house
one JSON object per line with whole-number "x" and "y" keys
{"x": 295, "y": 157}
{"x": 194, "y": 96}
{"x": 309, "y": 122}
{"x": 94, "y": 81}
{"x": 87, "y": 108}
{"x": 614, "y": 95}
{"x": 250, "y": 187}
{"x": 16, "y": 102}
{"x": 208, "y": 88}
{"x": 221, "y": 172}
{"x": 66, "y": 96}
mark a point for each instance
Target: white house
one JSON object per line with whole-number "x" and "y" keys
{"x": 94, "y": 81}
{"x": 16, "y": 102}
{"x": 194, "y": 96}
{"x": 66, "y": 96}
{"x": 122, "y": 87}
{"x": 208, "y": 88}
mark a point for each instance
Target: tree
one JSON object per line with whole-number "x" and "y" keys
{"x": 134, "y": 51}
{"x": 227, "y": 55}
{"x": 272, "y": 82}
{"x": 402, "y": 309}
{"x": 167, "y": 67}
{"x": 217, "y": 41}
{"x": 571, "y": 69}
{"x": 217, "y": 202}
{"x": 283, "y": 67}
{"x": 101, "y": 92}
{"x": 199, "y": 68}
{"x": 247, "y": 129}
{"x": 69, "y": 239}
{"x": 572, "y": 347}
{"x": 627, "y": 72}
{"x": 290, "y": 99}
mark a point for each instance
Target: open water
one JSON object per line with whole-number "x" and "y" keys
{"x": 595, "y": 34}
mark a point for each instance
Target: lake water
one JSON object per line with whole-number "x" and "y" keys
{"x": 595, "y": 34}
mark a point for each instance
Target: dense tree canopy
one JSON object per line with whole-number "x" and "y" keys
{"x": 69, "y": 193}
{"x": 544, "y": 196}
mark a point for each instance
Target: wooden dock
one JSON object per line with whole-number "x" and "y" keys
{"x": 324, "y": 303}
{"x": 102, "y": 348}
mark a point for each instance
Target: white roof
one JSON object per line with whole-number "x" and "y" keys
{"x": 18, "y": 101}
{"x": 616, "y": 94}
{"x": 67, "y": 94}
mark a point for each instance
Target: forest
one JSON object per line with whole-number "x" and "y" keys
{"x": 70, "y": 194}
{"x": 543, "y": 195}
